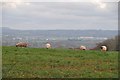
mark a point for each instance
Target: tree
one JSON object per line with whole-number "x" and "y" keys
{"x": 112, "y": 44}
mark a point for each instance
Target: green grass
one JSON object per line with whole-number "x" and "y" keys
{"x": 0, "y": 62}
{"x": 58, "y": 63}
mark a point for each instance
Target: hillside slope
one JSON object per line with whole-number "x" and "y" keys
{"x": 59, "y": 33}
{"x": 58, "y": 63}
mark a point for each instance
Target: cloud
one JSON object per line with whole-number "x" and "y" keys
{"x": 62, "y": 15}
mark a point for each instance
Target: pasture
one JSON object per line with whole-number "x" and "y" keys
{"x": 58, "y": 63}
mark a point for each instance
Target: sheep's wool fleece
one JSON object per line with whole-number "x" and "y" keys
{"x": 82, "y": 47}
{"x": 48, "y": 45}
{"x": 104, "y": 47}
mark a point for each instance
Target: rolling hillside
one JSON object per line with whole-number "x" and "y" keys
{"x": 59, "y": 33}
{"x": 58, "y": 63}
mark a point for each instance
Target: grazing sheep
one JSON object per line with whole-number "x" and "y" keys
{"x": 103, "y": 48}
{"x": 48, "y": 45}
{"x": 21, "y": 44}
{"x": 82, "y": 48}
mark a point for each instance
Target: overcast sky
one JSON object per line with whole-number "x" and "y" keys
{"x": 60, "y": 15}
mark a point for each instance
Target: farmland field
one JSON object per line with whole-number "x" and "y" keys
{"x": 58, "y": 63}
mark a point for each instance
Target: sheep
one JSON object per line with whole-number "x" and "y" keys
{"x": 82, "y": 48}
{"x": 103, "y": 48}
{"x": 21, "y": 44}
{"x": 48, "y": 45}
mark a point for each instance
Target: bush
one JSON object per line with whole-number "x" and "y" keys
{"x": 112, "y": 44}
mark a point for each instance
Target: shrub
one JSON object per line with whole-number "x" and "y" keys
{"x": 112, "y": 44}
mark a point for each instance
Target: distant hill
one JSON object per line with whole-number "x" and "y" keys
{"x": 60, "y": 33}
{"x": 58, "y": 38}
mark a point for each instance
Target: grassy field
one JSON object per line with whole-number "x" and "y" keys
{"x": 58, "y": 63}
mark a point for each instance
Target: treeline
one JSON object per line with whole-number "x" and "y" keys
{"x": 112, "y": 44}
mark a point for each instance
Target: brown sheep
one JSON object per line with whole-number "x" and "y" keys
{"x": 21, "y": 44}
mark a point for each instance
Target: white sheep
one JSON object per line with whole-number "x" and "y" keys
{"x": 82, "y": 48}
{"x": 103, "y": 48}
{"x": 48, "y": 45}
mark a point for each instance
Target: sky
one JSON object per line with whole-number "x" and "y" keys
{"x": 60, "y": 15}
